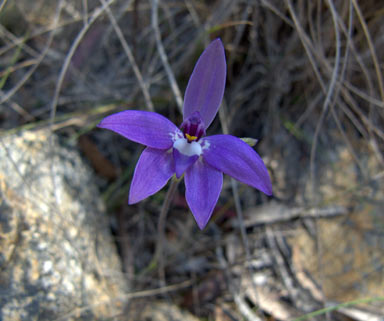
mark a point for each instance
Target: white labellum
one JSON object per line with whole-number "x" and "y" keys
{"x": 187, "y": 149}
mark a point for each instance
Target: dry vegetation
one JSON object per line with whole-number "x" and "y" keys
{"x": 304, "y": 77}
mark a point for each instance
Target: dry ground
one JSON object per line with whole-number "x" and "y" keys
{"x": 304, "y": 77}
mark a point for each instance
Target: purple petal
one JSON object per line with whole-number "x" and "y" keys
{"x": 236, "y": 158}
{"x": 182, "y": 162}
{"x": 153, "y": 170}
{"x": 202, "y": 189}
{"x": 144, "y": 127}
{"x": 205, "y": 88}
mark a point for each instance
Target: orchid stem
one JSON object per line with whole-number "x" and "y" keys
{"x": 158, "y": 257}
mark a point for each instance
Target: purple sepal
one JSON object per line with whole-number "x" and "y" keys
{"x": 182, "y": 162}
{"x": 206, "y": 85}
{"x": 203, "y": 184}
{"x": 236, "y": 158}
{"x": 144, "y": 127}
{"x": 153, "y": 170}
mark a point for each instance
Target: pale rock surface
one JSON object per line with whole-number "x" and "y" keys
{"x": 57, "y": 257}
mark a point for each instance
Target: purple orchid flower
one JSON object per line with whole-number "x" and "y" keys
{"x": 171, "y": 150}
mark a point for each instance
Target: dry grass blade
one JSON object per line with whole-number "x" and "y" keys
{"x": 27, "y": 76}
{"x": 2, "y": 4}
{"x": 69, "y": 56}
{"x": 304, "y": 79}
{"x": 163, "y": 56}
{"x": 371, "y": 48}
{"x": 128, "y": 52}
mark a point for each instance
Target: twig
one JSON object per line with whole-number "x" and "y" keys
{"x": 327, "y": 98}
{"x": 143, "y": 85}
{"x": 235, "y": 193}
{"x": 59, "y": 84}
{"x": 158, "y": 257}
{"x": 371, "y": 48}
{"x": 275, "y": 213}
{"x": 282, "y": 269}
{"x": 10, "y": 93}
{"x": 306, "y": 44}
{"x": 163, "y": 56}
{"x": 85, "y": 11}
{"x": 17, "y": 41}
{"x": 339, "y": 306}
{"x": 69, "y": 56}
{"x": 129, "y": 296}
{"x": 239, "y": 210}
{"x": 317, "y": 131}
{"x": 339, "y": 87}
{"x": 244, "y": 309}
{"x": 2, "y": 4}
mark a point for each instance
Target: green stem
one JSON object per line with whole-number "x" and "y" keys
{"x": 158, "y": 257}
{"x": 338, "y": 306}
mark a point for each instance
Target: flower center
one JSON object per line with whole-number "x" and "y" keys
{"x": 187, "y": 148}
{"x": 193, "y": 127}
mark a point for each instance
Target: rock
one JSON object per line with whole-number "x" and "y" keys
{"x": 57, "y": 257}
{"x": 158, "y": 311}
{"x": 345, "y": 256}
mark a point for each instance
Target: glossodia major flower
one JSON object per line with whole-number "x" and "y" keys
{"x": 171, "y": 150}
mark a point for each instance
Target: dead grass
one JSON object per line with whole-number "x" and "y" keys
{"x": 304, "y": 77}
